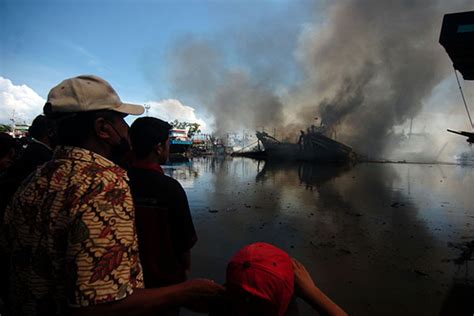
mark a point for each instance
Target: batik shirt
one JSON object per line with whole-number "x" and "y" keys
{"x": 72, "y": 235}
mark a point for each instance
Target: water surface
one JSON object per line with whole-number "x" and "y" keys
{"x": 380, "y": 239}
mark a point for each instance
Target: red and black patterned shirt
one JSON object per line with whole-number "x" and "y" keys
{"x": 72, "y": 235}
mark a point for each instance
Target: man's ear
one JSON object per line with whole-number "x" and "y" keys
{"x": 102, "y": 128}
{"x": 158, "y": 149}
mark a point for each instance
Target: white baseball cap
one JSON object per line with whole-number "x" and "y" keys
{"x": 88, "y": 93}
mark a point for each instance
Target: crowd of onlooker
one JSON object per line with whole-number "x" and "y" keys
{"x": 90, "y": 224}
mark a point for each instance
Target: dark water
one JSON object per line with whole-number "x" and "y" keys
{"x": 380, "y": 239}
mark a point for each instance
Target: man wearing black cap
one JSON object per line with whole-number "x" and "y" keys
{"x": 70, "y": 226}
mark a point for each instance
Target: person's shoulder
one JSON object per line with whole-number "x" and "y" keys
{"x": 154, "y": 174}
{"x": 171, "y": 180}
{"x": 151, "y": 181}
{"x": 147, "y": 175}
{"x": 173, "y": 183}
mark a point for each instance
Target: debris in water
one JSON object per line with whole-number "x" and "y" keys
{"x": 397, "y": 204}
{"x": 354, "y": 214}
{"x": 467, "y": 250}
{"x": 420, "y": 273}
{"x": 345, "y": 251}
{"x": 327, "y": 244}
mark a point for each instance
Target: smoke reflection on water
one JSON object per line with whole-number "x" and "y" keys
{"x": 379, "y": 238}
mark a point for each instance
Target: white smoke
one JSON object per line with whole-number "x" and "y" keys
{"x": 172, "y": 109}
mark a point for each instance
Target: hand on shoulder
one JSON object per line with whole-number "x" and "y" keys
{"x": 307, "y": 290}
{"x": 202, "y": 293}
{"x": 203, "y": 287}
{"x": 303, "y": 282}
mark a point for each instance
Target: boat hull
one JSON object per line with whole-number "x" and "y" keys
{"x": 179, "y": 146}
{"x": 317, "y": 148}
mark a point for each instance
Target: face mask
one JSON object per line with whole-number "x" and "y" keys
{"x": 119, "y": 152}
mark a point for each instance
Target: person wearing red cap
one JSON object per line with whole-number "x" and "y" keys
{"x": 261, "y": 280}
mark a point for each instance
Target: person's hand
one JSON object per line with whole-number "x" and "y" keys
{"x": 204, "y": 288}
{"x": 202, "y": 292}
{"x": 307, "y": 290}
{"x": 304, "y": 284}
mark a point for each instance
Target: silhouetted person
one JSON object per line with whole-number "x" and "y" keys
{"x": 164, "y": 225}
{"x": 301, "y": 140}
{"x": 40, "y": 148}
{"x": 7, "y": 151}
{"x": 35, "y": 152}
{"x": 307, "y": 139}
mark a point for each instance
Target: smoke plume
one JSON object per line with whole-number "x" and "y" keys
{"x": 361, "y": 67}
{"x": 236, "y": 96}
{"x": 372, "y": 65}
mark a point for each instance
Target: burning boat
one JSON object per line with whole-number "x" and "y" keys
{"x": 312, "y": 146}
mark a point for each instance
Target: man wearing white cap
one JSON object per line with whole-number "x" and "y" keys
{"x": 71, "y": 225}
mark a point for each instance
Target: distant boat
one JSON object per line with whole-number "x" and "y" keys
{"x": 17, "y": 130}
{"x": 180, "y": 142}
{"x": 312, "y": 146}
{"x": 466, "y": 158}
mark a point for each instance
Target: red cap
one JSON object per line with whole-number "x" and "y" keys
{"x": 265, "y": 271}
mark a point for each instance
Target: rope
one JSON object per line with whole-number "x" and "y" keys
{"x": 241, "y": 149}
{"x": 463, "y": 99}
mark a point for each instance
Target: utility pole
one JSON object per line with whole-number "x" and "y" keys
{"x": 12, "y": 119}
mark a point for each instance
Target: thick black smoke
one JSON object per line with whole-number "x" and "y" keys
{"x": 371, "y": 66}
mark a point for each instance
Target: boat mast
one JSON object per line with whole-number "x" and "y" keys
{"x": 463, "y": 99}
